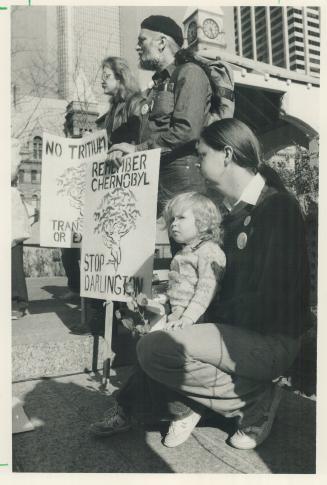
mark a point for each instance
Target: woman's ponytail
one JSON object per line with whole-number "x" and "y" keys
{"x": 271, "y": 176}
{"x": 246, "y": 148}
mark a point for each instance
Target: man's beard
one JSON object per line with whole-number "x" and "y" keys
{"x": 149, "y": 64}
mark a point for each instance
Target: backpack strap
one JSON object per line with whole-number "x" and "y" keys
{"x": 220, "y": 75}
{"x": 226, "y": 93}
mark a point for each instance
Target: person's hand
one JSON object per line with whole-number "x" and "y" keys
{"x": 125, "y": 148}
{"x": 161, "y": 298}
{"x": 178, "y": 324}
{"x": 176, "y": 314}
{"x": 114, "y": 157}
{"x": 118, "y": 151}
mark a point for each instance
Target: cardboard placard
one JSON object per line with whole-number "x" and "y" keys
{"x": 63, "y": 186}
{"x": 120, "y": 226}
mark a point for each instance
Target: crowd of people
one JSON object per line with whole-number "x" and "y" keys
{"x": 238, "y": 285}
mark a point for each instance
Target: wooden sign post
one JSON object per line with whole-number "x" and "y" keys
{"x": 108, "y": 353}
{"x": 119, "y": 232}
{"x": 109, "y": 212}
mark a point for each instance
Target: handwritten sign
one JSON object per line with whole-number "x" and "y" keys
{"x": 120, "y": 226}
{"x": 63, "y": 186}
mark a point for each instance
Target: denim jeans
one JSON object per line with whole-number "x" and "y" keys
{"x": 222, "y": 367}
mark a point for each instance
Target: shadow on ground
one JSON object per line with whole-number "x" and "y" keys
{"x": 61, "y": 441}
{"x": 63, "y": 408}
{"x": 70, "y": 316}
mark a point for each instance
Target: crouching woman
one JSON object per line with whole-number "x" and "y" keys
{"x": 230, "y": 365}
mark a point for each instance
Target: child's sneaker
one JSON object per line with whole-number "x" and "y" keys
{"x": 180, "y": 430}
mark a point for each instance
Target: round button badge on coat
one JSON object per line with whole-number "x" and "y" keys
{"x": 144, "y": 109}
{"x": 242, "y": 240}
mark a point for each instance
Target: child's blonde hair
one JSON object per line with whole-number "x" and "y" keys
{"x": 206, "y": 214}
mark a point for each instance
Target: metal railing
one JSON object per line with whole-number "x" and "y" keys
{"x": 257, "y": 66}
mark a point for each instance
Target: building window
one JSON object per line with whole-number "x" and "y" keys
{"x": 292, "y": 30}
{"x": 297, "y": 57}
{"x": 37, "y": 148}
{"x": 312, "y": 15}
{"x": 313, "y": 24}
{"x": 298, "y": 39}
{"x": 21, "y": 176}
{"x": 274, "y": 11}
{"x": 277, "y": 22}
{"x": 314, "y": 34}
{"x": 34, "y": 176}
{"x": 35, "y": 201}
{"x": 296, "y": 48}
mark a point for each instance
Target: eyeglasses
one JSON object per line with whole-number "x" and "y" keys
{"x": 106, "y": 76}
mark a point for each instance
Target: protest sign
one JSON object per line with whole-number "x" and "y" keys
{"x": 63, "y": 186}
{"x": 120, "y": 226}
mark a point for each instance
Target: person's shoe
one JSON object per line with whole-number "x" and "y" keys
{"x": 114, "y": 421}
{"x": 250, "y": 437}
{"x": 180, "y": 430}
{"x": 16, "y": 314}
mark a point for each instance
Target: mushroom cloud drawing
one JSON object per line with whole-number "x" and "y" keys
{"x": 115, "y": 217}
{"x": 72, "y": 184}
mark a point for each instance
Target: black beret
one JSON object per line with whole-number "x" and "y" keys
{"x": 165, "y": 25}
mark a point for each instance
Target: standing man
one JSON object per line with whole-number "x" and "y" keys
{"x": 176, "y": 109}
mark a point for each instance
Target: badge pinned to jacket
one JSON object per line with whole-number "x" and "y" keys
{"x": 242, "y": 240}
{"x": 148, "y": 107}
{"x": 145, "y": 109}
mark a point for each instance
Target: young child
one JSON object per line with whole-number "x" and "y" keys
{"x": 196, "y": 270}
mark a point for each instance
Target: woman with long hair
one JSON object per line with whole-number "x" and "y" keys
{"x": 232, "y": 366}
{"x": 123, "y": 120}
{"x": 123, "y": 123}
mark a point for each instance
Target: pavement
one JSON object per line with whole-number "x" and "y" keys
{"x": 52, "y": 357}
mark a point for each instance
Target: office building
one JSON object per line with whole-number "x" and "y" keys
{"x": 85, "y": 36}
{"x": 287, "y": 37}
{"x": 56, "y": 62}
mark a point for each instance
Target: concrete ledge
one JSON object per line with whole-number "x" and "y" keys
{"x": 51, "y": 340}
{"x": 54, "y": 358}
